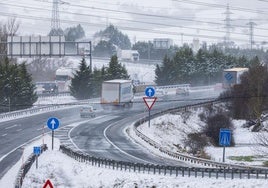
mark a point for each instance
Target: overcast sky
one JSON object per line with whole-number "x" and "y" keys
{"x": 143, "y": 20}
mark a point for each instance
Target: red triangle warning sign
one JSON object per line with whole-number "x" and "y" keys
{"x": 48, "y": 184}
{"x": 149, "y": 101}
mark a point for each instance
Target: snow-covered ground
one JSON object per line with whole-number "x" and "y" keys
{"x": 66, "y": 172}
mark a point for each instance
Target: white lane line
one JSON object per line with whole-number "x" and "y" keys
{"x": 12, "y": 126}
{"x": 19, "y": 130}
{"x": 4, "y": 134}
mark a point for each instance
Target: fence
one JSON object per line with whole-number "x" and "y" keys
{"x": 26, "y": 167}
{"x": 163, "y": 169}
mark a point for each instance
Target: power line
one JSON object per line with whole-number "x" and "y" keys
{"x": 120, "y": 27}
{"x": 148, "y": 15}
{"x": 152, "y": 23}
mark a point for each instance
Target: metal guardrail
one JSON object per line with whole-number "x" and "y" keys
{"x": 184, "y": 157}
{"x": 163, "y": 169}
{"x": 26, "y": 167}
{"x": 210, "y": 169}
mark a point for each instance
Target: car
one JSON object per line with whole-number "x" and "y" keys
{"x": 87, "y": 111}
{"x": 182, "y": 91}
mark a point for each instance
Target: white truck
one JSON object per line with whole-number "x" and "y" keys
{"x": 128, "y": 55}
{"x": 63, "y": 78}
{"x": 232, "y": 76}
{"x": 117, "y": 93}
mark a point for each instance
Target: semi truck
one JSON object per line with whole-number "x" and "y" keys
{"x": 231, "y": 76}
{"x": 63, "y": 78}
{"x": 128, "y": 55}
{"x": 117, "y": 93}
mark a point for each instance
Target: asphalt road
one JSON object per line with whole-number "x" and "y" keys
{"x": 89, "y": 136}
{"x": 104, "y": 136}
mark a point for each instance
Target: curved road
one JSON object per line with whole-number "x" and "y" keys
{"x": 89, "y": 136}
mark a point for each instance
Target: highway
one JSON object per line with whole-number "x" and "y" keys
{"x": 101, "y": 136}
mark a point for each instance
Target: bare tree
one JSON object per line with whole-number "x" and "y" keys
{"x": 43, "y": 69}
{"x": 10, "y": 28}
{"x": 262, "y": 139}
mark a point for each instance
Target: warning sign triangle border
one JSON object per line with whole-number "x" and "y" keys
{"x": 154, "y": 99}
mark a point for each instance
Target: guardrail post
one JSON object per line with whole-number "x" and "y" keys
{"x": 182, "y": 172}
{"x": 257, "y": 174}
{"x": 165, "y": 170}
{"x": 195, "y": 172}
{"x": 217, "y": 174}
{"x": 209, "y": 173}
{"x": 189, "y": 172}
{"x": 240, "y": 174}
{"x": 154, "y": 169}
{"x": 232, "y": 173}
{"x": 176, "y": 171}
{"x": 224, "y": 173}
{"x": 266, "y": 174}
{"x": 248, "y": 174}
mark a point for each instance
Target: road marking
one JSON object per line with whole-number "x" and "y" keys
{"x": 4, "y": 134}
{"x": 19, "y": 130}
{"x": 12, "y": 126}
{"x": 39, "y": 129}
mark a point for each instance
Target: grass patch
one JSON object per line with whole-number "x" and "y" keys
{"x": 242, "y": 158}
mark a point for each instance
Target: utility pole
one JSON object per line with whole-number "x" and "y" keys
{"x": 251, "y": 25}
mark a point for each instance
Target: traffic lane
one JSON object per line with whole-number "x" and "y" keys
{"x": 133, "y": 151}
{"x": 16, "y": 132}
{"x": 90, "y": 138}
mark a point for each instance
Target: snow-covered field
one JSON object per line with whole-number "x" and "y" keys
{"x": 65, "y": 172}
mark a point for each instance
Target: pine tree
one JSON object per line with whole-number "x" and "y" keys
{"x": 116, "y": 70}
{"x": 81, "y": 84}
{"x": 17, "y": 87}
{"x": 27, "y": 95}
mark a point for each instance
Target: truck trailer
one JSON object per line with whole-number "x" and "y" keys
{"x": 231, "y": 76}
{"x": 128, "y": 55}
{"x": 117, "y": 93}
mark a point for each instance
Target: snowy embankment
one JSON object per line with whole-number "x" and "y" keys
{"x": 65, "y": 172}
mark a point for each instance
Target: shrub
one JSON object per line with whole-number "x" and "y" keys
{"x": 213, "y": 126}
{"x": 195, "y": 142}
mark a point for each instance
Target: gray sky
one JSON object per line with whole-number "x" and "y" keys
{"x": 181, "y": 20}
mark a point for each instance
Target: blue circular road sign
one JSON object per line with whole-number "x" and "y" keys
{"x": 149, "y": 91}
{"x": 53, "y": 123}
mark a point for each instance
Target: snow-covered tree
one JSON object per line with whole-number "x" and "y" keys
{"x": 81, "y": 87}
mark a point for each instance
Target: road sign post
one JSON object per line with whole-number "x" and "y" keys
{"x": 53, "y": 123}
{"x": 149, "y": 101}
{"x": 36, "y": 151}
{"x": 224, "y": 140}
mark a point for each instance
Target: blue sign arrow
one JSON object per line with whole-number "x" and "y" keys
{"x": 225, "y": 137}
{"x": 53, "y": 123}
{"x": 149, "y": 91}
{"x": 37, "y": 150}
